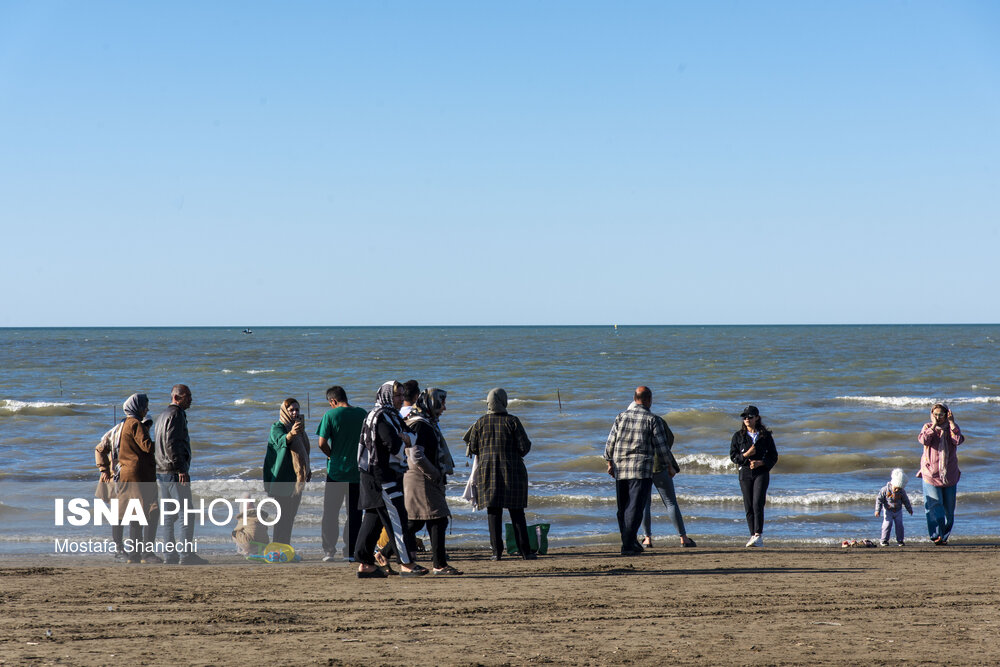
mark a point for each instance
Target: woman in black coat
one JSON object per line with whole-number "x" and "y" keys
{"x": 752, "y": 449}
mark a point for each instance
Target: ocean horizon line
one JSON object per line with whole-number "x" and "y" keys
{"x": 244, "y": 326}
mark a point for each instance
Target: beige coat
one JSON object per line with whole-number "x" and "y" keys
{"x": 423, "y": 485}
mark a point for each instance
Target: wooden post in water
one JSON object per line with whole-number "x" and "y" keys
{"x": 558, "y": 396}
{"x": 60, "y": 387}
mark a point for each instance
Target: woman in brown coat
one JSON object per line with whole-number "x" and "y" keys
{"x": 424, "y": 482}
{"x": 137, "y": 479}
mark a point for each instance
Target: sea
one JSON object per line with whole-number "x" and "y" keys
{"x": 845, "y": 405}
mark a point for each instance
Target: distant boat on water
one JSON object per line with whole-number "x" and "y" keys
{"x": 248, "y": 331}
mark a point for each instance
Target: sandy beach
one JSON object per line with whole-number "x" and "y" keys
{"x": 704, "y": 606}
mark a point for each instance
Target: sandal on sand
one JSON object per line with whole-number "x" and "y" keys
{"x": 447, "y": 569}
{"x": 373, "y": 574}
{"x": 688, "y": 542}
{"x": 647, "y": 542}
{"x": 416, "y": 571}
{"x": 380, "y": 559}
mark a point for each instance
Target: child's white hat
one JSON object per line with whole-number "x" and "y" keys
{"x": 897, "y": 479}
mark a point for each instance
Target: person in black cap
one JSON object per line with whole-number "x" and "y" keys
{"x": 753, "y": 450}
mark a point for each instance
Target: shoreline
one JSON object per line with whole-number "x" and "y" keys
{"x": 703, "y": 606}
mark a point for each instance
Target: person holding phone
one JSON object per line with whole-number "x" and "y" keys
{"x": 752, "y": 449}
{"x": 286, "y": 466}
{"x": 939, "y": 471}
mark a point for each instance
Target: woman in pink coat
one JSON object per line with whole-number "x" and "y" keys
{"x": 939, "y": 471}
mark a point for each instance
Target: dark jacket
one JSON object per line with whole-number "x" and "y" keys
{"x": 173, "y": 446}
{"x": 765, "y": 451}
{"x": 499, "y": 440}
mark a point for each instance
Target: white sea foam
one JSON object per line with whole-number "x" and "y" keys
{"x": 254, "y": 371}
{"x": 918, "y": 401}
{"x": 714, "y": 463}
{"x": 17, "y": 406}
{"x": 251, "y": 402}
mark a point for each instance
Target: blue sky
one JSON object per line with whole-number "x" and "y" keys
{"x": 386, "y": 163}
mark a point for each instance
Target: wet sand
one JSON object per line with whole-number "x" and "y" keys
{"x": 703, "y": 606}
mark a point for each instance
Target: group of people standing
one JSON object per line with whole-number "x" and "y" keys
{"x": 638, "y": 455}
{"x": 134, "y": 466}
{"x": 390, "y": 464}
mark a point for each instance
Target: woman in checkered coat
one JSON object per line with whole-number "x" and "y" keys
{"x": 499, "y": 442}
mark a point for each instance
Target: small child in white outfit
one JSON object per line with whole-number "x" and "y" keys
{"x": 892, "y": 498}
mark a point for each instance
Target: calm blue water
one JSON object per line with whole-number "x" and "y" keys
{"x": 845, "y": 404}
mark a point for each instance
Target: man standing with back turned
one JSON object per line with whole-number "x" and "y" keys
{"x": 636, "y": 437}
{"x": 339, "y": 433}
{"x": 173, "y": 464}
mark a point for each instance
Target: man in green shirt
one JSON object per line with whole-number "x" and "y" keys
{"x": 339, "y": 433}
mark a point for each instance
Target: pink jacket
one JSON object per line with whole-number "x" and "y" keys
{"x": 930, "y": 462}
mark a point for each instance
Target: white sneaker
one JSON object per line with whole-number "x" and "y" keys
{"x": 329, "y": 558}
{"x": 755, "y": 541}
{"x": 884, "y": 543}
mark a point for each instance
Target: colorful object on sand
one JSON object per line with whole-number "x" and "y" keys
{"x": 276, "y": 552}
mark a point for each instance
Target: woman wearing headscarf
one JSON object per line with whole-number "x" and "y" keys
{"x": 939, "y": 471}
{"x": 137, "y": 478}
{"x": 424, "y": 483}
{"x": 500, "y": 444}
{"x": 286, "y": 466}
{"x": 383, "y": 435}
{"x": 752, "y": 449}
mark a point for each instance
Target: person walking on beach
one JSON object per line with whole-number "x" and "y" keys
{"x": 286, "y": 466}
{"x": 939, "y": 471}
{"x": 339, "y": 432}
{"x": 173, "y": 466}
{"x": 137, "y": 479}
{"x": 663, "y": 481}
{"x": 383, "y": 435}
{"x": 426, "y": 477}
{"x": 891, "y": 500}
{"x": 752, "y": 449}
{"x": 499, "y": 443}
{"x": 637, "y": 437}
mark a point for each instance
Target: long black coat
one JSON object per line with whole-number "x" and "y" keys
{"x": 499, "y": 440}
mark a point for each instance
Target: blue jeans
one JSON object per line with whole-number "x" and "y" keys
{"x": 664, "y": 483}
{"x": 173, "y": 489}
{"x": 939, "y": 506}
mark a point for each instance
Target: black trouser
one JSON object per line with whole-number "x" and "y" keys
{"x": 289, "y": 508}
{"x": 631, "y": 495}
{"x": 494, "y": 517}
{"x": 392, "y": 517}
{"x": 754, "y": 489}
{"x": 334, "y": 494}
{"x": 436, "y": 529}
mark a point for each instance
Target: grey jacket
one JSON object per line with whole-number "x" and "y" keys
{"x": 173, "y": 446}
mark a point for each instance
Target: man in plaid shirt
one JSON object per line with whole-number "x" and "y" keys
{"x": 635, "y": 439}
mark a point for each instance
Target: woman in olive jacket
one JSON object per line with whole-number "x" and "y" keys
{"x": 752, "y": 449}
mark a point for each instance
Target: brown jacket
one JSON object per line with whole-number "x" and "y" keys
{"x": 136, "y": 453}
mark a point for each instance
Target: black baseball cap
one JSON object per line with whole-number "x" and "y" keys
{"x": 750, "y": 411}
